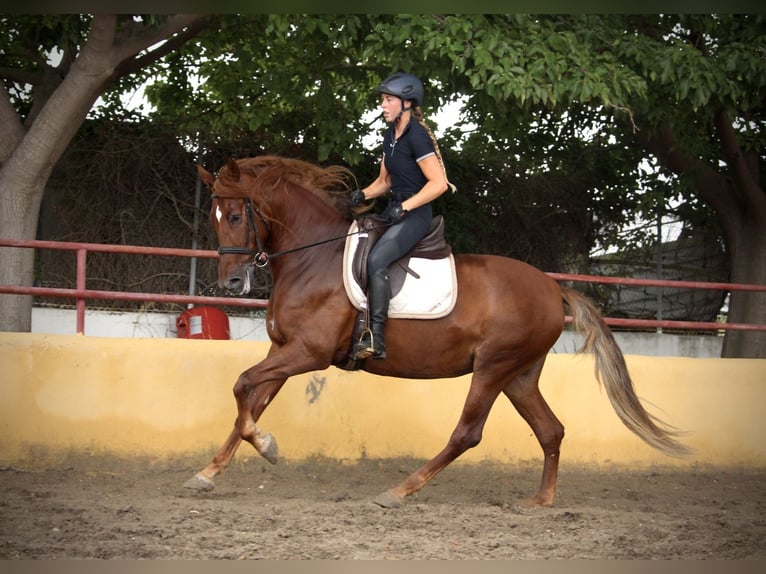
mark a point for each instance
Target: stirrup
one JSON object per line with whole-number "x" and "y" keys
{"x": 365, "y": 347}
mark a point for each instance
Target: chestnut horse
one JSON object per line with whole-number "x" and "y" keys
{"x": 507, "y": 317}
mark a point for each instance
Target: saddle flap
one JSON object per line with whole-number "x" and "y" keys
{"x": 370, "y": 228}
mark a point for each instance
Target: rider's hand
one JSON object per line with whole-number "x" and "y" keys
{"x": 357, "y": 198}
{"x": 394, "y": 213}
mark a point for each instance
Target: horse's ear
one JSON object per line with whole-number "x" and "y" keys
{"x": 207, "y": 178}
{"x": 233, "y": 168}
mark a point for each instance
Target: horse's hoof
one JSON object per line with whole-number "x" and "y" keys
{"x": 388, "y": 500}
{"x": 535, "y": 502}
{"x": 269, "y": 449}
{"x": 199, "y": 482}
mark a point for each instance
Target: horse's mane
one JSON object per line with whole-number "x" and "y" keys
{"x": 331, "y": 184}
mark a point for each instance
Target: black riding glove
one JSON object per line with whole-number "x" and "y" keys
{"x": 394, "y": 213}
{"x": 357, "y": 198}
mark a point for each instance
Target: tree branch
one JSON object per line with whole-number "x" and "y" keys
{"x": 101, "y": 38}
{"x": 747, "y": 181}
{"x": 177, "y": 29}
{"x": 11, "y": 129}
{"x": 664, "y": 144}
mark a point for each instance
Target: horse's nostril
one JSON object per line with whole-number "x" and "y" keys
{"x": 233, "y": 284}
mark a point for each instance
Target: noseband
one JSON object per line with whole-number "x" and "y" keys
{"x": 260, "y": 257}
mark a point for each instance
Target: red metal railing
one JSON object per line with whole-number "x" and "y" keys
{"x": 667, "y": 323}
{"x": 81, "y": 293}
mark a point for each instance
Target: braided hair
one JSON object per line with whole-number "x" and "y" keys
{"x": 418, "y": 114}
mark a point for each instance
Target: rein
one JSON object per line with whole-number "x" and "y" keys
{"x": 260, "y": 257}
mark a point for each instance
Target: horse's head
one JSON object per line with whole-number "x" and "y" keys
{"x": 287, "y": 202}
{"x": 240, "y": 227}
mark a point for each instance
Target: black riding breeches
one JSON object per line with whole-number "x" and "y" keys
{"x": 397, "y": 241}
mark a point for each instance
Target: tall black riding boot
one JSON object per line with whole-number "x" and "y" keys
{"x": 372, "y": 344}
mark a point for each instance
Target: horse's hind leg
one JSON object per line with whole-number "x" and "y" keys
{"x": 525, "y": 395}
{"x": 467, "y": 434}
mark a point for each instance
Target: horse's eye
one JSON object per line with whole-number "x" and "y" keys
{"x": 235, "y": 218}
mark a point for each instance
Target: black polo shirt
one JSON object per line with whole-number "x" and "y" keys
{"x": 401, "y": 159}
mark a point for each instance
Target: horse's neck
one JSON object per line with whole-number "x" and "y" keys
{"x": 312, "y": 231}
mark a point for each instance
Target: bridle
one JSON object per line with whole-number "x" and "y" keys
{"x": 260, "y": 257}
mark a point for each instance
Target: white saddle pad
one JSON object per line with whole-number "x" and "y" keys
{"x": 431, "y": 296}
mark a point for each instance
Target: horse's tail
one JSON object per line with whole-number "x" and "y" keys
{"x": 612, "y": 373}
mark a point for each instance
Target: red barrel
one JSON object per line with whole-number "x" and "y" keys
{"x": 202, "y": 323}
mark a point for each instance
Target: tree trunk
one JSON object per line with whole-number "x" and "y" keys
{"x": 748, "y": 265}
{"x": 23, "y": 179}
{"x": 29, "y": 158}
{"x": 16, "y": 264}
{"x": 739, "y": 201}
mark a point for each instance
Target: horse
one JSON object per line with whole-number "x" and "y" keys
{"x": 507, "y": 316}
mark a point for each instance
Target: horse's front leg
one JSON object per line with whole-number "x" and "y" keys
{"x": 251, "y": 402}
{"x": 254, "y": 390}
{"x": 244, "y": 429}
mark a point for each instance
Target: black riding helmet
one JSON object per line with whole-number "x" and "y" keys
{"x": 404, "y": 86}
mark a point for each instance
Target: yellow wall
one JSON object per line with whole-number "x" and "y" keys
{"x": 61, "y": 394}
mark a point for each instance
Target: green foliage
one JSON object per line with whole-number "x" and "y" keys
{"x": 552, "y": 103}
{"x": 557, "y": 96}
{"x": 697, "y": 66}
{"x": 284, "y": 83}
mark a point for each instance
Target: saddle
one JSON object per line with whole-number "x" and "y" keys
{"x": 371, "y": 227}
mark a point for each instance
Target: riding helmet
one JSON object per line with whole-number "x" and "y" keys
{"x": 405, "y": 86}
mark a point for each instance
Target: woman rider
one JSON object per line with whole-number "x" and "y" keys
{"x": 413, "y": 171}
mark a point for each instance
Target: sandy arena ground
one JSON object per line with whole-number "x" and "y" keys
{"x": 104, "y": 508}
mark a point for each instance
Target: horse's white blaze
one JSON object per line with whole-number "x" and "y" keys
{"x": 218, "y": 213}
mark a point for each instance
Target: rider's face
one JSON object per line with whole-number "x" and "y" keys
{"x": 391, "y": 106}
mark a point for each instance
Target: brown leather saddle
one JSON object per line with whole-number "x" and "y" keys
{"x": 371, "y": 227}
